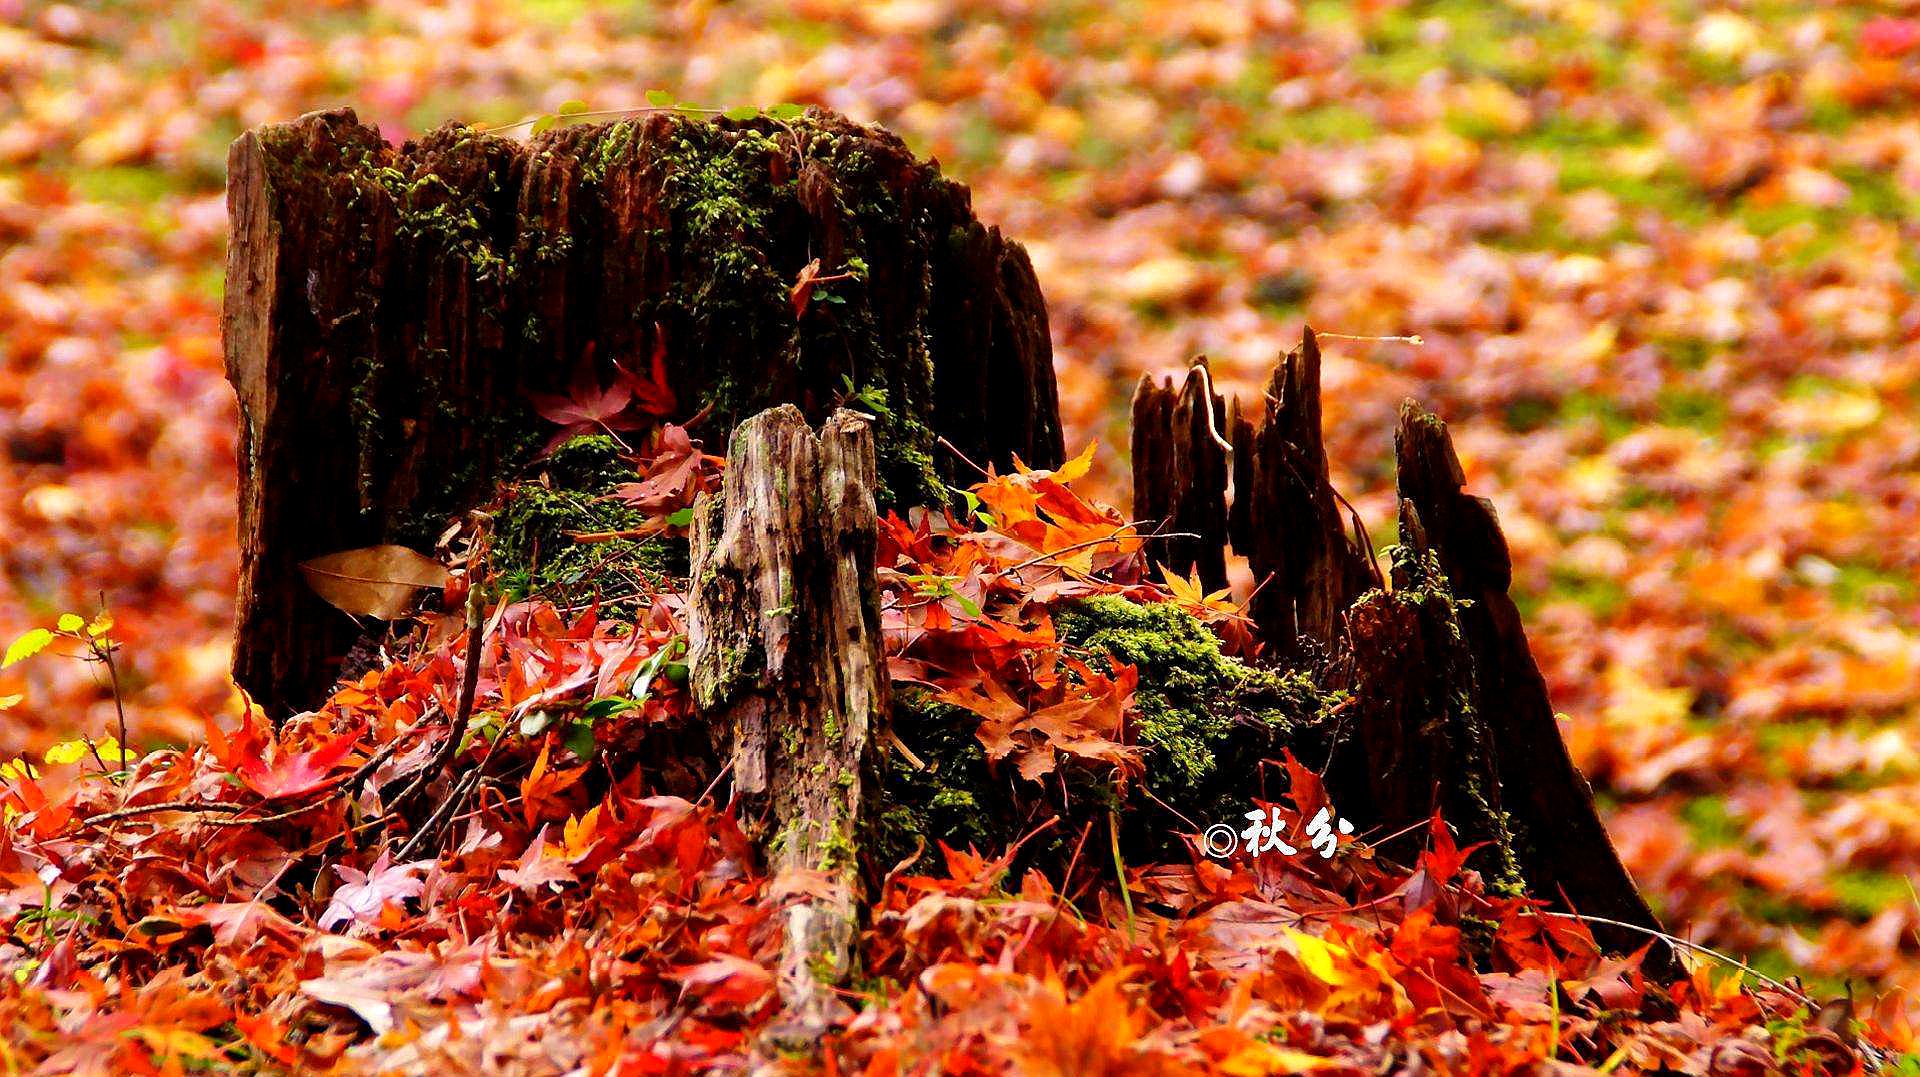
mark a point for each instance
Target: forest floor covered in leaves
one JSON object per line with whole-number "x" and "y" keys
{"x": 1661, "y": 256}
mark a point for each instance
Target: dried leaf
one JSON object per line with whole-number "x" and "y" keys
{"x": 373, "y": 581}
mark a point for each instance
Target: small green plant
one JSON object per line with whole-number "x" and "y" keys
{"x": 96, "y": 644}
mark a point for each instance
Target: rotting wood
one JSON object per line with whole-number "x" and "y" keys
{"x": 1286, "y": 519}
{"x": 1180, "y": 473}
{"x": 388, "y": 309}
{"x": 787, "y": 662}
{"x": 1447, "y": 708}
{"x": 1561, "y": 843}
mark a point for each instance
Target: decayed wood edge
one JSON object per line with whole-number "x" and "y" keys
{"x": 1180, "y": 474}
{"x": 1562, "y": 845}
{"x": 306, "y": 251}
{"x": 787, "y": 662}
{"x": 389, "y": 306}
{"x": 1286, "y": 518}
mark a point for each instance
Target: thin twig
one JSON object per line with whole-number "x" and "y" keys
{"x": 1114, "y": 537}
{"x": 457, "y": 726}
{"x": 1414, "y": 339}
{"x": 1675, "y": 940}
{"x": 258, "y": 820}
{"x": 216, "y": 806}
{"x": 113, "y": 679}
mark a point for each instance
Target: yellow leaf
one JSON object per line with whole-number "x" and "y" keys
{"x": 112, "y": 751}
{"x": 177, "y": 1042}
{"x": 9, "y": 702}
{"x": 102, "y": 624}
{"x": 71, "y": 622}
{"x": 375, "y": 581}
{"x": 28, "y": 645}
{"x": 16, "y": 769}
{"x": 578, "y": 833}
{"x": 1318, "y": 955}
{"x": 1078, "y": 466}
{"x": 1261, "y": 1059}
{"x": 67, "y": 751}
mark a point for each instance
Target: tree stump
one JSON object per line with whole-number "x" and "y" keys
{"x": 787, "y": 663}
{"x": 1447, "y": 709}
{"x": 388, "y": 309}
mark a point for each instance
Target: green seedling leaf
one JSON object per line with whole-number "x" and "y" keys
{"x": 579, "y": 739}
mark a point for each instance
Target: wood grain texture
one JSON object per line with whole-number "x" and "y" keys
{"x": 1180, "y": 474}
{"x": 787, "y": 662}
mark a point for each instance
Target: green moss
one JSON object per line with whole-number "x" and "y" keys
{"x": 732, "y": 199}
{"x": 533, "y": 534}
{"x": 944, "y": 800}
{"x": 1204, "y": 719}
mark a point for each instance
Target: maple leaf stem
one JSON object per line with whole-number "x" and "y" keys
{"x": 964, "y": 458}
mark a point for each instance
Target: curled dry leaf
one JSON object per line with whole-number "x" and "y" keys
{"x": 374, "y": 581}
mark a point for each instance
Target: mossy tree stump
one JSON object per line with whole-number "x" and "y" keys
{"x": 388, "y": 309}
{"x": 1445, "y": 708}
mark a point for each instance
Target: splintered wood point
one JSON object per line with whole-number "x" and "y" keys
{"x": 1180, "y": 474}
{"x": 1561, "y": 844}
{"x": 787, "y": 661}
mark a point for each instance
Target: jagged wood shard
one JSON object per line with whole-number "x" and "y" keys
{"x": 1446, "y": 708}
{"x": 1180, "y": 474}
{"x": 1287, "y": 519}
{"x": 1561, "y": 844}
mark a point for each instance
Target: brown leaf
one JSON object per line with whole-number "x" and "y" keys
{"x": 375, "y": 581}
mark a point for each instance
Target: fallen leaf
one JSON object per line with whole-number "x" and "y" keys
{"x": 373, "y": 581}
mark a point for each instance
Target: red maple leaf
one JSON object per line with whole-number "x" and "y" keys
{"x": 301, "y": 772}
{"x": 675, "y": 476}
{"x": 651, "y": 393}
{"x": 586, "y": 407}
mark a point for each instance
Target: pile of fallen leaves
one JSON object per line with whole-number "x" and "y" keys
{"x": 379, "y": 887}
